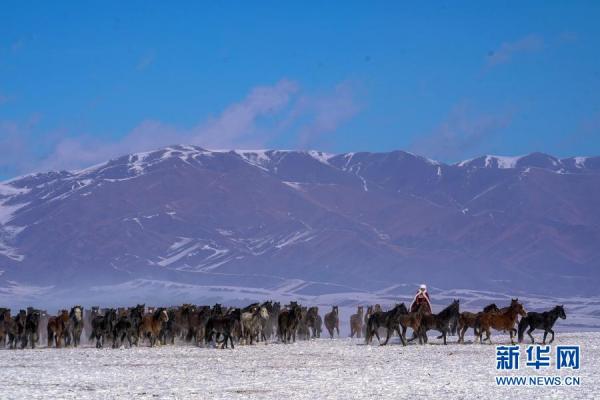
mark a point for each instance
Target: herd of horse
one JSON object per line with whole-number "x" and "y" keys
{"x": 261, "y": 322}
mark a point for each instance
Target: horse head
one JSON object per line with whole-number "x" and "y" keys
{"x": 277, "y": 307}
{"x": 491, "y": 307}
{"x": 515, "y": 305}
{"x": 561, "y": 312}
{"x": 33, "y": 317}
{"x": 268, "y": 305}
{"x": 335, "y": 310}
{"x": 164, "y": 315}
{"x": 264, "y": 313}
{"x": 76, "y": 313}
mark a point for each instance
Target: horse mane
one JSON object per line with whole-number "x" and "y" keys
{"x": 451, "y": 309}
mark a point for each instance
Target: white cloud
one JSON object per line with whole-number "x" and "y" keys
{"x": 329, "y": 112}
{"x": 265, "y": 112}
{"x": 462, "y": 133}
{"x": 508, "y": 50}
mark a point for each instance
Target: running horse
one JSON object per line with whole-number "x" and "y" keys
{"x": 152, "y": 325}
{"x": 545, "y": 321}
{"x": 15, "y": 328}
{"x": 102, "y": 327}
{"x": 74, "y": 326}
{"x": 332, "y": 321}
{"x": 356, "y": 322}
{"x": 412, "y": 320}
{"x": 441, "y": 322}
{"x": 57, "y": 329}
{"x": 4, "y": 318}
{"x": 287, "y": 322}
{"x": 386, "y": 319}
{"x": 504, "y": 320}
{"x": 468, "y": 320}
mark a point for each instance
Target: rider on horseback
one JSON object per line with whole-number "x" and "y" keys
{"x": 422, "y": 297}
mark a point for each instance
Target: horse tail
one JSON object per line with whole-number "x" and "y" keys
{"x": 523, "y": 324}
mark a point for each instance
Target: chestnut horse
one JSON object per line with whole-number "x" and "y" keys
{"x": 57, "y": 329}
{"x": 332, "y": 321}
{"x": 412, "y": 320}
{"x": 356, "y": 322}
{"x": 152, "y": 324}
{"x": 501, "y": 321}
{"x": 468, "y": 320}
{"x": 4, "y": 325}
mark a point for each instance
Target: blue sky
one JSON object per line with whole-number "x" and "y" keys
{"x": 81, "y": 82}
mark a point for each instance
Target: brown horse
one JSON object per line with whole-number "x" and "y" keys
{"x": 356, "y": 322}
{"x": 412, "y": 320}
{"x": 332, "y": 321}
{"x": 468, "y": 320}
{"x": 501, "y": 321}
{"x": 4, "y": 325}
{"x": 57, "y": 328}
{"x": 152, "y": 324}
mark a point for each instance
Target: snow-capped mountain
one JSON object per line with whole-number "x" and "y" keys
{"x": 320, "y": 222}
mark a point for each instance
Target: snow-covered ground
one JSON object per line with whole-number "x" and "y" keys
{"x": 319, "y": 369}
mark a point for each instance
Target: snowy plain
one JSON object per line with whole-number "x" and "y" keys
{"x": 317, "y": 369}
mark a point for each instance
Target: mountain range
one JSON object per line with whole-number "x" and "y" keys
{"x": 322, "y": 223}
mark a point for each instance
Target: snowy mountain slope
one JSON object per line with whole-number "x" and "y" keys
{"x": 250, "y": 218}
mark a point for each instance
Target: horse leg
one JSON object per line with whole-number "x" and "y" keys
{"x": 387, "y": 337}
{"x": 488, "y": 334}
{"x": 552, "y": 332}
{"x": 461, "y": 334}
{"x": 402, "y": 338}
{"x": 545, "y": 335}
{"x": 444, "y": 335}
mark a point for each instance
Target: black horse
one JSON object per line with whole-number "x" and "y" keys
{"x": 288, "y": 321}
{"x": 30, "y": 334}
{"x": 102, "y": 327}
{"x": 134, "y": 316}
{"x": 440, "y": 322}
{"x": 388, "y": 320}
{"x": 121, "y": 331}
{"x": 544, "y": 320}
{"x": 224, "y": 325}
